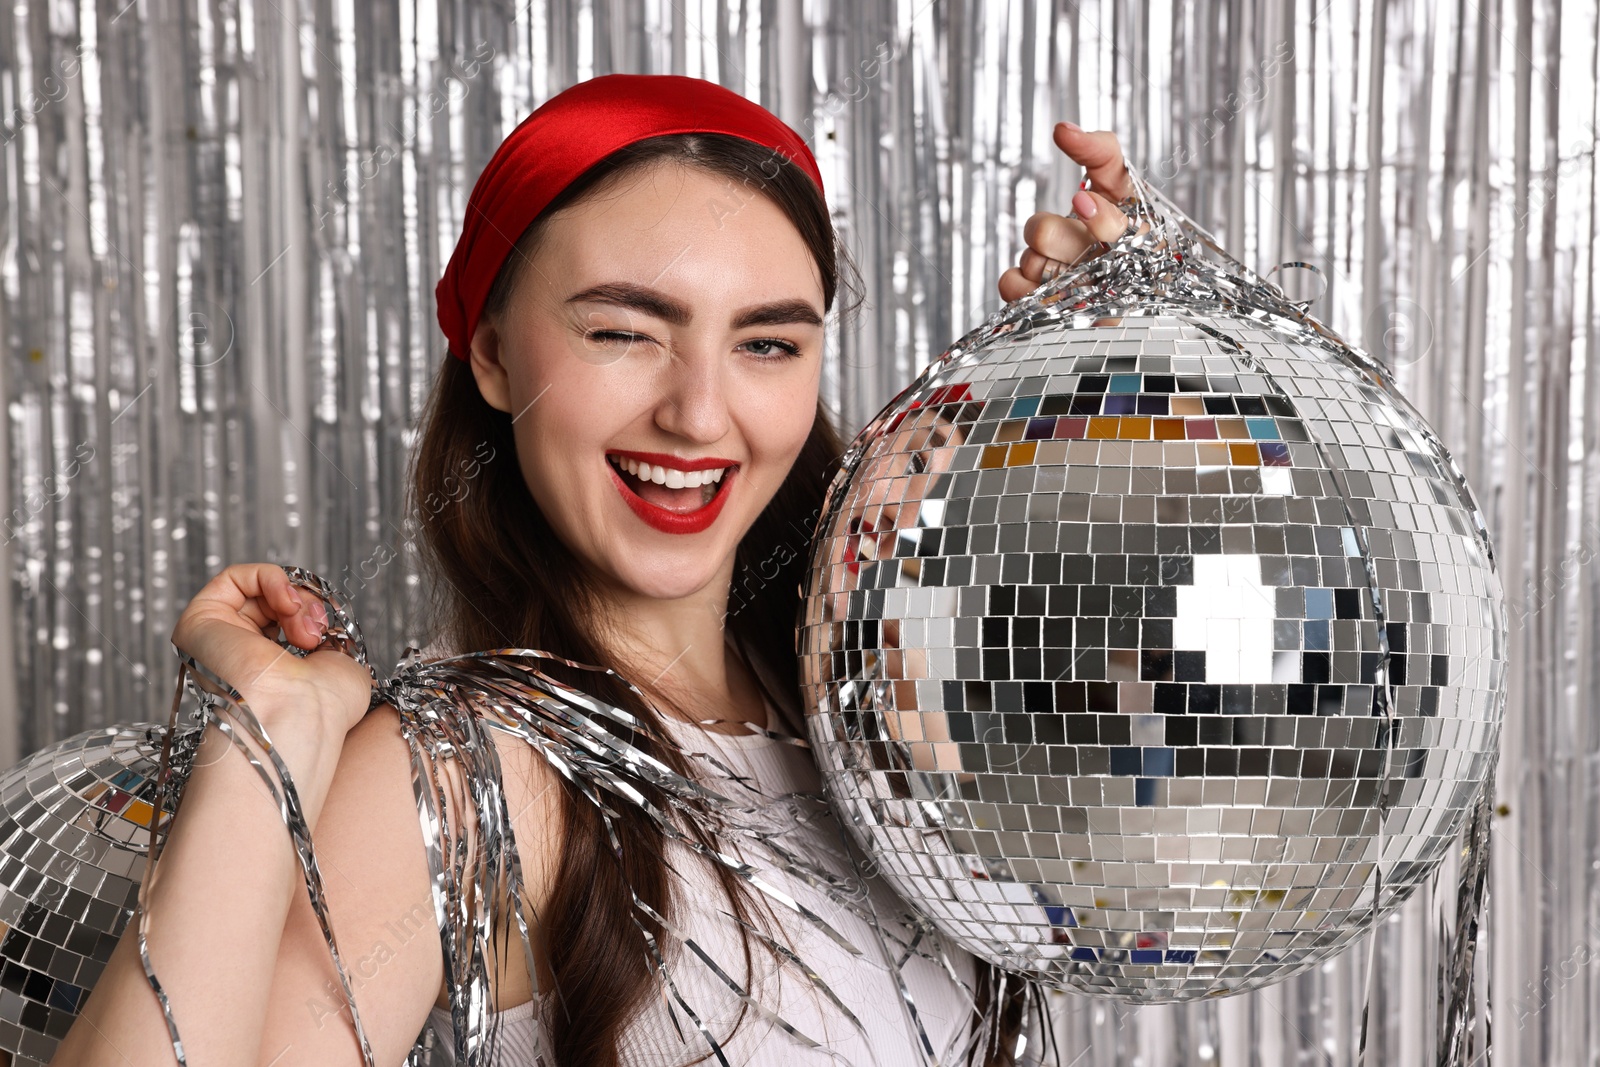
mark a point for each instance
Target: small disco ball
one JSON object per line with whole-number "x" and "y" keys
{"x": 73, "y": 840}
{"x": 1143, "y": 626}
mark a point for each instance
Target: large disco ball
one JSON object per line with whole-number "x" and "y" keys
{"x": 1144, "y": 625}
{"x": 74, "y": 829}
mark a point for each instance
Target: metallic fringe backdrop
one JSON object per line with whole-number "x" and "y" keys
{"x": 223, "y": 222}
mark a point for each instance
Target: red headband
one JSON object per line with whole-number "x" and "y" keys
{"x": 564, "y": 137}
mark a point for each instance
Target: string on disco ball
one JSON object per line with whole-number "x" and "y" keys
{"x": 448, "y": 708}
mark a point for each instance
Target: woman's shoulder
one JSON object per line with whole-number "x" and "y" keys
{"x": 530, "y": 784}
{"x": 531, "y": 800}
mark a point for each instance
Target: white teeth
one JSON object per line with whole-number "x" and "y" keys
{"x": 668, "y": 476}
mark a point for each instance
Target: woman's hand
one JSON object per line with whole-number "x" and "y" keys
{"x": 1057, "y": 242}
{"x": 230, "y": 627}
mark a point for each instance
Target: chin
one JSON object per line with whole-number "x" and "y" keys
{"x": 676, "y": 584}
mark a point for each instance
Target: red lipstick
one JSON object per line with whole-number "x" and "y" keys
{"x": 661, "y": 459}
{"x": 675, "y": 522}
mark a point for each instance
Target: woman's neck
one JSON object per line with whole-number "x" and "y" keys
{"x": 677, "y": 652}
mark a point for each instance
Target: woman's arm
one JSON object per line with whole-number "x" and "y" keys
{"x": 251, "y": 980}
{"x": 247, "y": 992}
{"x": 217, "y": 903}
{"x": 375, "y": 877}
{"x": 370, "y": 848}
{"x": 221, "y": 889}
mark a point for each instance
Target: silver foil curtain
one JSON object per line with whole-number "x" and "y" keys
{"x": 223, "y": 221}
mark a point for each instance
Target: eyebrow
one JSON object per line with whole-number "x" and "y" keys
{"x": 656, "y": 303}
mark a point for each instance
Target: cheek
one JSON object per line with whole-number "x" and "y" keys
{"x": 564, "y": 421}
{"x": 779, "y": 419}
{"x": 779, "y": 442}
{"x": 549, "y": 448}
{"x": 536, "y": 475}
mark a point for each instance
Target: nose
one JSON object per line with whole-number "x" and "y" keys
{"x": 693, "y": 403}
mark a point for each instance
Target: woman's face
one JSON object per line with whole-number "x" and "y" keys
{"x": 670, "y": 327}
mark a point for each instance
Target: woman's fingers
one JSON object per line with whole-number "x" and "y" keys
{"x": 301, "y": 615}
{"x": 265, "y": 595}
{"x": 232, "y": 625}
{"x": 1058, "y": 242}
{"x": 1052, "y": 237}
{"x": 1100, "y": 154}
{"x": 264, "y": 585}
{"x": 1104, "y": 220}
{"x": 255, "y": 596}
{"x": 1096, "y": 221}
{"x": 1055, "y": 242}
{"x": 1014, "y": 286}
{"x": 306, "y": 626}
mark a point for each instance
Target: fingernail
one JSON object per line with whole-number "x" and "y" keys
{"x": 319, "y": 616}
{"x": 1083, "y": 204}
{"x": 1073, "y": 126}
{"x": 294, "y": 596}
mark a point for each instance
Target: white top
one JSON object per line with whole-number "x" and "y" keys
{"x": 863, "y": 983}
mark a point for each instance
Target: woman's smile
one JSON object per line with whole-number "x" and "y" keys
{"x": 673, "y": 495}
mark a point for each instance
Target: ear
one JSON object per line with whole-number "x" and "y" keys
{"x": 484, "y": 356}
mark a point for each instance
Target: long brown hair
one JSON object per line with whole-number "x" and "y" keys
{"x": 502, "y": 577}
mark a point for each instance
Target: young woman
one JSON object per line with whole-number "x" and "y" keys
{"x": 635, "y": 315}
